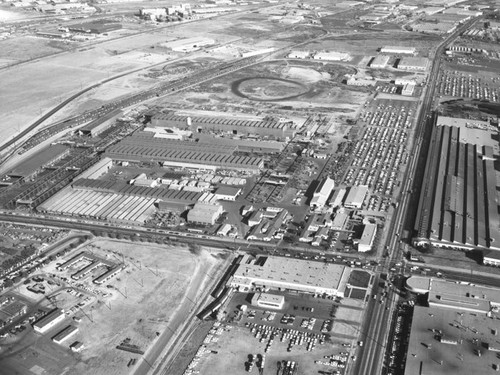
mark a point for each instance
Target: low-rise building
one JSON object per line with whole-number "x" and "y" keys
{"x": 203, "y": 213}
{"x": 268, "y": 301}
{"x": 413, "y": 63}
{"x": 356, "y": 196}
{"x": 332, "y": 56}
{"x": 299, "y": 54}
{"x": 491, "y": 258}
{"x": 65, "y": 334}
{"x": 380, "y": 62}
{"x": 227, "y": 193}
{"x": 399, "y": 50}
{"x": 291, "y": 274}
{"x": 322, "y": 193}
{"x": 49, "y": 321}
{"x": 365, "y": 243}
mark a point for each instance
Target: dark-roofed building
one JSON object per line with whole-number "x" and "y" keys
{"x": 225, "y": 124}
{"x": 458, "y": 205}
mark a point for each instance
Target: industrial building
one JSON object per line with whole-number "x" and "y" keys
{"x": 365, "y": 243}
{"x": 96, "y": 27}
{"x": 65, "y": 334}
{"x": 49, "y": 321}
{"x": 86, "y": 203}
{"x": 458, "y": 199}
{"x": 408, "y": 89}
{"x": 380, "y": 62}
{"x": 399, "y": 50}
{"x": 340, "y": 220}
{"x": 356, "y": 196}
{"x": 35, "y": 163}
{"x": 322, "y": 193}
{"x": 289, "y": 274}
{"x": 353, "y": 81}
{"x": 227, "y": 193}
{"x": 491, "y": 258}
{"x": 446, "y": 341}
{"x": 455, "y": 295}
{"x": 332, "y": 56}
{"x": 413, "y": 63}
{"x": 204, "y": 213}
{"x": 231, "y": 125}
{"x": 99, "y": 125}
{"x": 97, "y": 170}
{"x": 268, "y": 301}
{"x": 299, "y": 54}
{"x": 267, "y": 225}
{"x": 458, "y": 324}
{"x": 183, "y": 154}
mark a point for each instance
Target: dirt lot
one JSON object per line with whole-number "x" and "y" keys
{"x": 141, "y": 304}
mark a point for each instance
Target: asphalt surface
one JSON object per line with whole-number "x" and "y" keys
{"x": 378, "y": 319}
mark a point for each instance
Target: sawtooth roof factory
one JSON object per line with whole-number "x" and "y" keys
{"x": 186, "y": 154}
{"x": 458, "y": 206}
{"x": 290, "y": 274}
{"x": 197, "y": 124}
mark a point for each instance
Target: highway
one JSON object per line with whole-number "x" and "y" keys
{"x": 376, "y": 325}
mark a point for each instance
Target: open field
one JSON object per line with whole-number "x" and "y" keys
{"x": 277, "y": 85}
{"x": 139, "y": 304}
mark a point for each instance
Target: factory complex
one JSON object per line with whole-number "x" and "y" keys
{"x": 186, "y": 154}
{"x": 286, "y": 274}
{"x": 198, "y": 124}
{"x": 458, "y": 200}
{"x": 459, "y": 325}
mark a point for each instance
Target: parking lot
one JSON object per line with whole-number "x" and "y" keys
{"x": 315, "y": 333}
{"x": 466, "y": 85}
{"x": 380, "y": 154}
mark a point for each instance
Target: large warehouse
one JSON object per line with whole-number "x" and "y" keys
{"x": 291, "y": 274}
{"x": 184, "y": 154}
{"x": 234, "y": 126}
{"x": 399, "y": 50}
{"x": 114, "y": 201}
{"x": 457, "y": 333}
{"x": 413, "y": 63}
{"x": 458, "y": 206}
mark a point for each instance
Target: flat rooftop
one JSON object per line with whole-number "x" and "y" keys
{"x": 38, "y": 160}
{"x": 444, "y": 341}
{"x": 219, "y": 121}
{"x": 294, "y": 271}
{"x": 456, "y": 295}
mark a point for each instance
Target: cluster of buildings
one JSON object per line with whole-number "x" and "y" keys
{"x": 92, "y": 262}
{"x": 277, "y": 129}
{"x": 460, "y": 324}
{"x": 160, "y": 14}
{"x": 458, "y": 206}
{"x": 266, "y": 224}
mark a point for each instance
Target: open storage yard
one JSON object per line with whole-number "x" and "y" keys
{"x": 135, "y": 308}
{"x": 317, "y": 333}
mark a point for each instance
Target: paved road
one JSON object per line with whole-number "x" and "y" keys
{"x": 378, "y": 318}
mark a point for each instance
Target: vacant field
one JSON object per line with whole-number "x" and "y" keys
{"x": 150, "y": 297}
